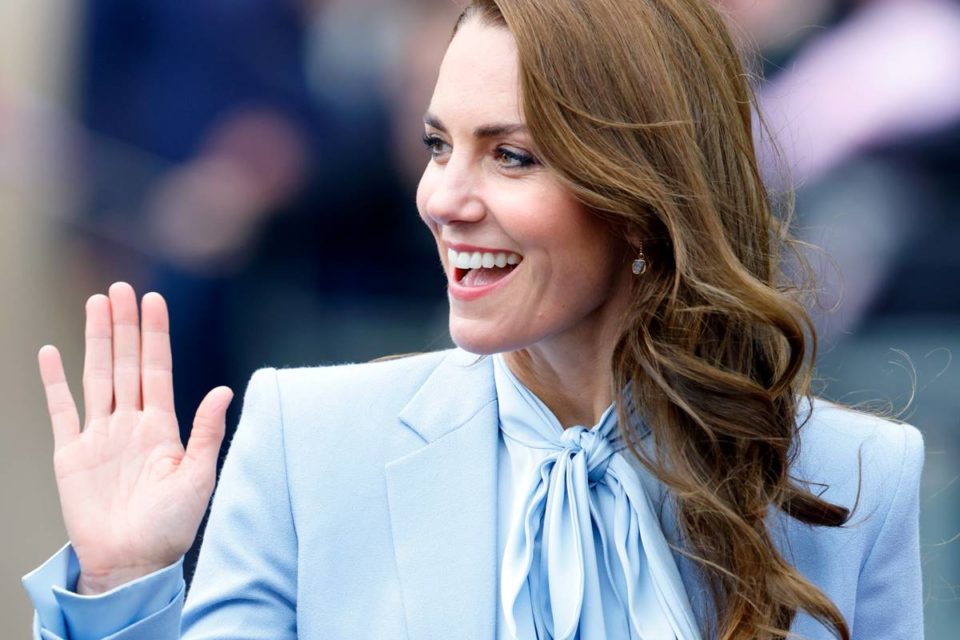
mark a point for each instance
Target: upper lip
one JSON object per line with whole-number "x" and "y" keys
{"x": 462, "y": 248}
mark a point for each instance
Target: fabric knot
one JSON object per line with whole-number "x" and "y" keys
{"x": 582, "y": 518}
{"x": 572, "y": 437}
{"x": 592, "y": 444}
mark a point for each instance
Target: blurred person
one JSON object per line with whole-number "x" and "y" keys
{"x": 412, "y": 60}
{"x": 623, "y": 276}
{"x": 855, "y": 105}
{"x": 156, "y": 83}
{"x": 214, "y": 95}
{"x": 778, "y": 28}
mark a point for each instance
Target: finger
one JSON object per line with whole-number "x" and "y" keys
{"x": 126, "y": 346}
{"x": 60, "y": 403}
{"x": 157, "y": 365}
{"x": 209, "y": 425}
{"x": 98, "y": 360}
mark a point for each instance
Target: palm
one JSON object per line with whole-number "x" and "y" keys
{"x": 116, "y": 483}
{"x": 132, "y": 497}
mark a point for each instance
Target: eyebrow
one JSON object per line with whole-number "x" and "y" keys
{"x": 483, "y": 131}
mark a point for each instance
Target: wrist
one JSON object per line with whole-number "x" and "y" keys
{"x": 99, "y": 583}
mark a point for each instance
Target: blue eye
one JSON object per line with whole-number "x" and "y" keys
{"x": 434, "y": 144}
{"x": 515, "y": 159}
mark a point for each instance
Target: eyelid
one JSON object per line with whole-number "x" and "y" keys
{"x": 524, "y": 158}
{"x": 430, "y": 141}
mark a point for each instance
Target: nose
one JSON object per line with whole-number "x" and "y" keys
{"x": 452, "y": 193}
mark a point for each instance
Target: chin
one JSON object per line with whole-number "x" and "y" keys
{"x": 478, "y": 337}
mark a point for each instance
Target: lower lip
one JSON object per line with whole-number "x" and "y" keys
{"x": 467, "y": 294}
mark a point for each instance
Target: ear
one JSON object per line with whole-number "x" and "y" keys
{"x": 634, "y": 240}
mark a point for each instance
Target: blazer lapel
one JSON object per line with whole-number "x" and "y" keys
{"x": 443, "y": 503}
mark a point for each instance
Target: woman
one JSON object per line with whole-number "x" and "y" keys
{"x": 593, "y": 192}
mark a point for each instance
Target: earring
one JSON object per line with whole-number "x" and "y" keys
{"x": 640, "y": 264}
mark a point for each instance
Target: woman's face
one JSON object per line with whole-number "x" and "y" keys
{"x": 526, "y": 263}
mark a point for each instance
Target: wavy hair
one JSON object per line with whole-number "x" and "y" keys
{"x": 645, "y": 111}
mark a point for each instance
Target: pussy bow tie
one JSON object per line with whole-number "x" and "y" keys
{"x": 551, "y": 552}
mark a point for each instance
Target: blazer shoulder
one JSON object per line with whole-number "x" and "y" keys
{"x": 385, "y": 366}
{"x": 852, "y": 457}
{"x": 385, "y": 384}
{"x": 838, "y": 432}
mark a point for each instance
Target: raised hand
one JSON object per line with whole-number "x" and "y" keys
{"x": 132, "y": 497}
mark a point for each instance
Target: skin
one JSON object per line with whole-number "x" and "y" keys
{"x": 556, "y": 319}
{"x": 132, "y": 497}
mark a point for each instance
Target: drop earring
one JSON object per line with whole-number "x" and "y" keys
{"x": 639, "y": 266}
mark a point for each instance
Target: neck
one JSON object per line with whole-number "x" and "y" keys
{"x": 571, "y": 372}
{"x": 571, "y": 375}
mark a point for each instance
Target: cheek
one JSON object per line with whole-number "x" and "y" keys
{"x": 597, "y": 255}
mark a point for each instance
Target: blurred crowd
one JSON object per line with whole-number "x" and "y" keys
{"x": 863, "y": 101}
{"x": 255, "y": 162}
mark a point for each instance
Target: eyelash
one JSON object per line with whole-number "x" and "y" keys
{"x": 523, "y": 160}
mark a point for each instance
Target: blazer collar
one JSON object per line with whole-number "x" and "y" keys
{"x": 442, "y": 494}
{"x": 460, "y": 385}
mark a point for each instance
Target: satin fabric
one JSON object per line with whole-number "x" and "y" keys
{"x": 584, "y": 556}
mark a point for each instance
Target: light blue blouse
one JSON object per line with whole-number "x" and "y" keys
{"x": 582, "y": 555}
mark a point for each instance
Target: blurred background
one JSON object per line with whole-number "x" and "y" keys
{"x": 255, "y": 161}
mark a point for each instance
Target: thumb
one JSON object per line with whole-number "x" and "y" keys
{"x": 209, "y": 425}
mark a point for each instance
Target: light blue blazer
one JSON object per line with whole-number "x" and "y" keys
{"x": 359, "y": 501}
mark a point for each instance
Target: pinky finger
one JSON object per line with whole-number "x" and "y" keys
{"x": 60, "y": 403}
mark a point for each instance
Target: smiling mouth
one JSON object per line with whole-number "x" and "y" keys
{"x": 479, "y": 269}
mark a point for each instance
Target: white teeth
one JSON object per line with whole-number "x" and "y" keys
{"x": 477, "y": 259}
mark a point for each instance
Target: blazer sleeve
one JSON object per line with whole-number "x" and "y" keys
{"x": 889, "y": 592}
{"x": 245, "y": 583}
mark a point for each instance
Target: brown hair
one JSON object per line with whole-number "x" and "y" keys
{"x": 644, "y": 110}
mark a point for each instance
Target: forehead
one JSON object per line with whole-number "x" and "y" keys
{"x": 478, "y": 78}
